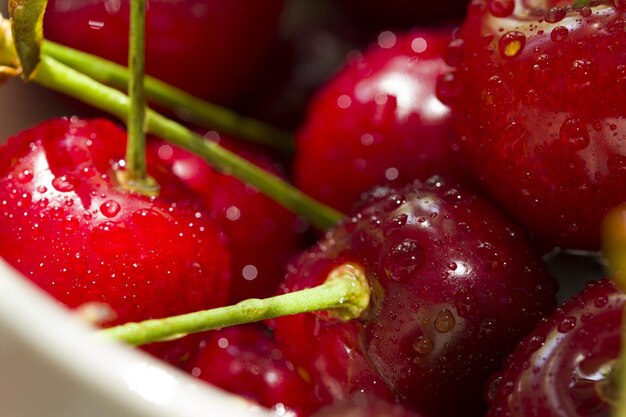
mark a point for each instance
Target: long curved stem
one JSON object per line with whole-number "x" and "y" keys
{"x": 57, "y": 76}
{"x": 187, "y": 107}
{"x": 345, "y": 292}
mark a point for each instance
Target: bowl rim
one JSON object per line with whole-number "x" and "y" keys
{"x": 128, "y": 377}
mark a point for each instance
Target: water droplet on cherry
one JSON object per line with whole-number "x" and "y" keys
{"x": 444, "y": 322}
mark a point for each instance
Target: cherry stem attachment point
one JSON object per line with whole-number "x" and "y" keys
{"x": 345, "y": 294}
{"x": 187, "y": 107}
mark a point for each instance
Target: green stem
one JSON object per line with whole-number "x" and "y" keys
{"x": 188, "y": 107}
{"x": 345, "y": 292}
{"x": 59, "y": 77}
{"x": 620, "y": 408}
{"x": 136, "y": 145}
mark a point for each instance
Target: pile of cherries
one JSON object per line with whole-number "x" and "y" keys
{"x": 462, "y": 140}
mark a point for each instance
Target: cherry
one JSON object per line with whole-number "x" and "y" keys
{"x": 455, "y": 286}
{"x": 210, "y": 48}
{"x": 377, "y": 121}
{"x": 263, "y": 236}
{"x": 246, "y": 360}
{"x": 67, "y": 225}
{"x": 365, "y": 406}
{"x": 537, "y": 96}
{"x": 564, "y": 367}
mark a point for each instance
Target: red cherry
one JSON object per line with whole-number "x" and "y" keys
{"x": 564, "y": 367}
{"x": 538, "y": 103}
{"x": 262, "y": 235}
{"x": 378, "y": 121}
{"x": 246, "y": 360}
{"x": 210, "y": 48}
{"x": 455, "y": 286}
{"x": 365, "y": 406}
{"x": 67, "y": 225}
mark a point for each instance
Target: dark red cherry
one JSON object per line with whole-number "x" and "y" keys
{"x": 566, "y": 365}
{"x": 68, "y": 226}
{"x": 210, "y": 48}
{"x": 377, "y": 121}
{"x": 246, "y": 360}
{"x": 262, "y": 235}
{"x": 365, "y": 406}
{"x": 455, "y": 286}
{"x": 537, "y": 97}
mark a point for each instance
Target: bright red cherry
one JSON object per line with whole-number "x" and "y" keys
{"x": 263, "y": 236}
{"x": 564, "y": 367}
{"x": 538, "y": 101}
{"x": 246, "y": 360}
{"x": 455, "y": 286}
{"x": 210, "y": 48}
{"x": 68, "y": 226}
{"x": 378, "y": 121}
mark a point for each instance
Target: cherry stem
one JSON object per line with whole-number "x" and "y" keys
{"x": 59, "y": 77}
{"x": 345, "y": 295}
{"x": 186, "y": 106}
{"x": 136, "y": 145}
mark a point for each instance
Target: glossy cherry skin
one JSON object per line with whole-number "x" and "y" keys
{"x": 68, "y": 226}
{"x": 247, "y": 361}
{"x": 455, "y": 286}
{"x": 210, "y": 48}
{"x": 537, "y": 98}
{"x": 262, "y": 235}
{"x": 377, "y": 121}
{"x": 562, "y": 367}
{"x": 365, "y": 406}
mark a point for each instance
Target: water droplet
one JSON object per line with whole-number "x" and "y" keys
{"x": 574, "y": 134}
{"x": 542, "y": 70}
{"x": 555, "y": 14}
{"x": 63, "y": 183}
{"x": 601, "y": 301}
{"x": 25, "y": 176}
{"x": 42, "y": 189}
{"x": 535, "y": 343}
{"x": 400, "y": 261}
{"x": 444, "y": 322}
{"x": 423, "y": 345}
{"x": 511, "y": 44}
{"x": 452, "y": 266}
{"x": 110, "y": 208}
{"x": 582, "y": 71}
{"x": 567, "y": 324}
{"x": 501, "y": 8}
{"x": 559, "y": 34}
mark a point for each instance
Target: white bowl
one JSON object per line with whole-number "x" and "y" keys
{"x": 51, "y": 365}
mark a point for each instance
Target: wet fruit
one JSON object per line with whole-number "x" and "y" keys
{"x": 455, "y": 286}
{"x": 378, "y": 121}
{"x": 69, "y": 227}
{"x": 262, "y": 235}
{"x": 537, "y": 95}
{"x": 567, "y": 365}
{"x": 245, "y": 360}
